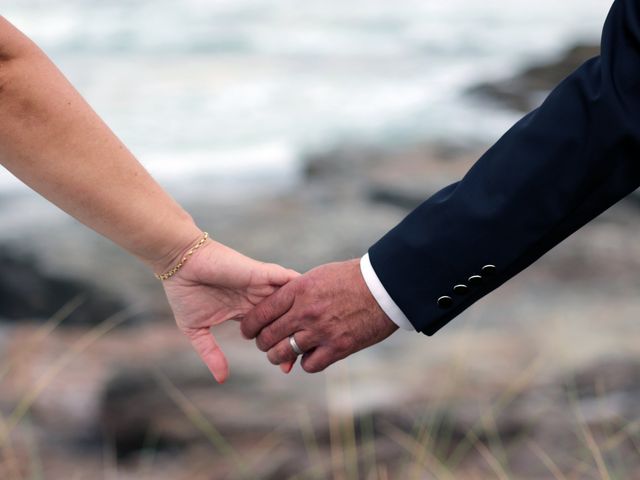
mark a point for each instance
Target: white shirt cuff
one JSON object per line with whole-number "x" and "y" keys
{"x": 382, "y": 297}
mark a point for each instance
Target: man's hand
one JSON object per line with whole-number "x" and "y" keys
{"x": 330, "y": 312}
{"x": 215, "y": 285}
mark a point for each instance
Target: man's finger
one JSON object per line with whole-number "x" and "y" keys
{"x": 283, "y": 353}
{"x": 278, "y": 330}
{"x": 267, "y": 311}
{"x": 210, "y": 353}
{"x": 318, "y": 359}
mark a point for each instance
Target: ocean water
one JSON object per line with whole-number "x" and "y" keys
{"x": 225, "y": 90}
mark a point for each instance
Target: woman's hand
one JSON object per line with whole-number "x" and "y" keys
{"x": 218, "y": 284}
{"x": 54, "y": 142}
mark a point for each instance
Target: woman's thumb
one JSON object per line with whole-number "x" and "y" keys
{"x": 210, "y": 353}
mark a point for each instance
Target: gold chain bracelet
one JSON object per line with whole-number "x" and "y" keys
{"x": 170, "y": 273}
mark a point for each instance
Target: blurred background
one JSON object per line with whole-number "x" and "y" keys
{"x": 299, "y": 133}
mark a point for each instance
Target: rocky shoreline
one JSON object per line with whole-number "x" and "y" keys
{"x": 541, "y": 370}
{"x": 572, "y": 318}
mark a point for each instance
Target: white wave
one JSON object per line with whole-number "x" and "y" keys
{"x": 214, "y": 82}
{"x": 271, "y": 159}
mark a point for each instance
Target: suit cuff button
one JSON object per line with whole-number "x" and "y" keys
{"x": 489, "y": 270}
{"x": 475, "y": 280}
{"x": 445, "y": 302}
{"x": 460, "y": 289}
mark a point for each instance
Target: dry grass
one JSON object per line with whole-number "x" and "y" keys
{"x": 429, "y": 449}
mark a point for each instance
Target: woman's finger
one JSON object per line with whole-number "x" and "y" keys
{"x": 279, "y": 275}
{"x": 286, "y": 367}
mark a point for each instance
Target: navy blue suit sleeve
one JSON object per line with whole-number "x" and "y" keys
{"x": 555, "y": 170}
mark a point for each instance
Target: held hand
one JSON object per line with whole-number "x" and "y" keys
{"x": 215, "y": 285}
{"x": 330, "y": 312}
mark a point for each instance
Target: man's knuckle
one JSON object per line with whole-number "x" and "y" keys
{"x": 262, "y": 342}
{"x": 306, "y": 283}
{"x": 245, "y": 328}
{"x": 312, "y": 366}
{"x": 309, "y": 367}
{"x": 261, "y": 316}
{"x": 273, "y": 358}
{"x": 342, "y": 343}
{"x": 313, "y": 311}
{"x": 276, "y": 330}
{"x": 250, "y": 325}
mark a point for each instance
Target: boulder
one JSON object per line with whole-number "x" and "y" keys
{"x": 27, "y": 292}
{"x": 524, "y": 91}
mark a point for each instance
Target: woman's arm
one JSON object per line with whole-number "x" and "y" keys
{"x": 54, "y": 142}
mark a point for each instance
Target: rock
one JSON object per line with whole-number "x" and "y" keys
{"x": 615, "y": 375}
{"x": 402, "y": 178}
{"x": 524, "y": 91}
{"x": 397, "y": 197}
{"x": 406, "y": 179}
{"x": 149, "y": 402}
{"x": 607, "y": 391}
{"x": 335, "y": 164}
{"x": 135, "y": 409}
{"x": 26, "y": 292}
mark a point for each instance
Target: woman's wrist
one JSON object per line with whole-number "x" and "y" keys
{"x": 169, "y": 250}
{"x": 167, "y": 274}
